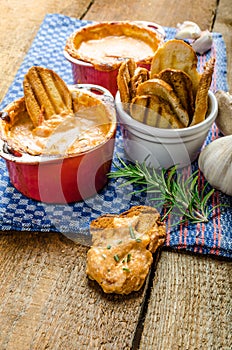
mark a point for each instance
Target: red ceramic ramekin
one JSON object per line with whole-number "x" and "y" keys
{"x": 67, "y": 179}
{"x": 85, "y": 72}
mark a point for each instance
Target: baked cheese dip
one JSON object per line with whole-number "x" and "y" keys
{"x": 64, "y": 133}
{"x": 105, "y": 45}
{"x": 113, "y": 48}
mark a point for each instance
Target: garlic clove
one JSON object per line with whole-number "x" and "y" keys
{"x": 203, "y": 43}
{"x": 224, "y": 117}
{"x": 215, "y": 162}
{"x": 188, "y": 30}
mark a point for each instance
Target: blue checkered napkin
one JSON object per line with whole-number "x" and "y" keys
{"x": 20, "y": 213}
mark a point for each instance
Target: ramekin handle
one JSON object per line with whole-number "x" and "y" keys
{"x": 152, "y": 25}
{"x": 96, "y": 89}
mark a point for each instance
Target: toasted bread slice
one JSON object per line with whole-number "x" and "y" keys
{"x": 162, "y": 89}
{"x": 125, "y": 73}
{"x": 154, "y": 111}
{"x": 145, "y": 219}
{"x": 201, "y": 102}
{"x": 121, "y": 255}
{"x": 45, "y": 94}
{"x": 140, "y": 75}
{"x": 181, "y": 85}
{"x": 176, "y": 54}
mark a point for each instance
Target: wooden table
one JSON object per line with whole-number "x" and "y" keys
{"x": 46, "y": 300}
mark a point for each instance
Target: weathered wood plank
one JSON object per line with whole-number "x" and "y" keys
{"x": 20, "y": 21}
{"x": 223, "y": 24}
{"x": 189, "y": 305}
{"x": 47, "y": 301}
{"x": 165, "y": 12}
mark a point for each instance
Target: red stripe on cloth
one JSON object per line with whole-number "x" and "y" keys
{"x": 219, "y": 223}
{"x": 168, "y": 229}
{"x": 186, "y": 172}
{"x": 202, "y": 60}
{"x": 202, "y": 184}
{"x": 213, "y": 249}
{"x": 198, "y": 227}
{"x": 185, "y": 236}
{"x": 202, "y": 236}
{"x": 180, "y": 236}
{"x": 181, "y": 225}
{"x": 216, "y": 213}
{"x": 214, "y": 77}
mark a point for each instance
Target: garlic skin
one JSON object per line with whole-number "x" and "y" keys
{"x": 188, "y": 30}
{"x": 224, "y": 117}
{"x": 203, "y": 43}
{"x": 215, "y": 162}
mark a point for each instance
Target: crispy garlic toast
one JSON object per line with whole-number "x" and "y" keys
{"x": 181, "y": 84}
{"x": 45, "y": 94}
{"x": 154, "y": 111}
{"x": 177, "y": 54}
{"x": 173, "y": 94}
{"x": 125, "y": 74}
{"x": 162, "y": 89}
{"x": 128, "y": 79}
{"x": 201, "y": 102}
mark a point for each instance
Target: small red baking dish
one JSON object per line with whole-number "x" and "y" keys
{"x": 64, "y": 179}
{"x": 87, "y": 69}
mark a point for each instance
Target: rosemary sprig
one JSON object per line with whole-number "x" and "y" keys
{"x": 177, "y": 195}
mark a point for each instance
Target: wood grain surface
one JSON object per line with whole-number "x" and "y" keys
{"x": 46, "y": 300}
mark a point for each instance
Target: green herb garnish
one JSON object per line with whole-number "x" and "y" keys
{"x": 132, "y": 232}
{"x": 175, "y": 194}
{"x": 126, "y": 269}
{"x": 116, "y": 257}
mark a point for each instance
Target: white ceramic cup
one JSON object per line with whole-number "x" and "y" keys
{"x": 162, "y": 148}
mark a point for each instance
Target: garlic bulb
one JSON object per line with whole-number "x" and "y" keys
{"x": 224, "y": 117}
{"x": 188, "y": 30}
{"x": 215, "y": 162}
{"x": 203, "y": 43}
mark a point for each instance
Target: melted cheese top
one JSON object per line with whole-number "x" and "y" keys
{"x": 115, "y": 48}
{"x": 62, "y": 134}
